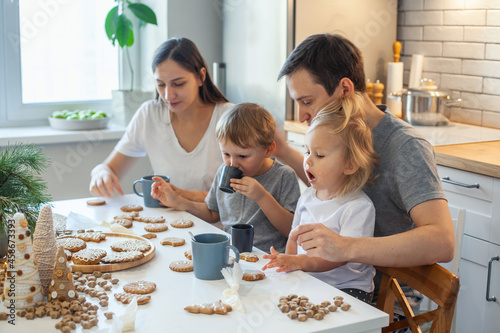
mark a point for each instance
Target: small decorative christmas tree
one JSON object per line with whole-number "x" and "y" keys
{"x": 61, "y": 287}
{"x": 23, "y": 286}
{"x": 22, "y": 189}
{"x": 45, "y": 247}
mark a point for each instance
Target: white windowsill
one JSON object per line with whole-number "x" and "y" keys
{"x": 47, "y": 135}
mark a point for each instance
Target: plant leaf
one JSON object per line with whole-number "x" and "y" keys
{"x": 143, "y": 12}
{"x": 124, "y": 32}
{"x": 111, "y": 22}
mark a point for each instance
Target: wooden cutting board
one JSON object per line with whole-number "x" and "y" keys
{"x": 112, "y": 238}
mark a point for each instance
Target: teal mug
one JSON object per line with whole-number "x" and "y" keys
{"x": 147, "y": 182}
{"x": 211, "y": 255}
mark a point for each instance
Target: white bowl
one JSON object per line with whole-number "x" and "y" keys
{"x": 78, "y": 124}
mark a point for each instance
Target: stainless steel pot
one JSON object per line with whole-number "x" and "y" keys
{"x": 425, "y": 106}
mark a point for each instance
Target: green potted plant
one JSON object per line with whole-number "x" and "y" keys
{"x": 119, "y": 29}
{"x": 22, "y": 189}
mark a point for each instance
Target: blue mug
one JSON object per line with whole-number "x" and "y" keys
{"x": 211, "y": 255}
{"x": 147, "y": 182}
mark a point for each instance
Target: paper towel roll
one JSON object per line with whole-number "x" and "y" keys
{"x": 394, "y": 84}
{"x": 417, "y": 65}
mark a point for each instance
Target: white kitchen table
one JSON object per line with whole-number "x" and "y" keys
{"x": 165, "y": 312}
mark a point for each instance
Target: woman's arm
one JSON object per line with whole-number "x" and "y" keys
{"x": 105, "y": 177}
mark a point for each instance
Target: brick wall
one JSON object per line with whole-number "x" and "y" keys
{"x": 460, "y": 40}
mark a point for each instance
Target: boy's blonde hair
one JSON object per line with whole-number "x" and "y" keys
{"x": 346, "y": 118}
{"x": 247, "y": 125}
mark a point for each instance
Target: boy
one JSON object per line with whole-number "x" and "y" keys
{"x": 267, "y": 194}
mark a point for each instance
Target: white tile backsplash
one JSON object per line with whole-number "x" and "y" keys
{"x": 460, "y": 40}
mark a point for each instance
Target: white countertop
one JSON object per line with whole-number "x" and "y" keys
{"x": 165, "y": 311}
{"x": 457, "y": 133}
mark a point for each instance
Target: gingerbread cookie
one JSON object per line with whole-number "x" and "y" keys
{"x": 139, "y": 287}
{"x": 72, "y": 244}
{"x": 159, "y": 219}
{"x": 68, "y": 254}
{"x": 91, "y": 236}
{"x": 181, "y": 266}
{"x": 131, "y": 245}
{"x": 127, "y": 298}
{"x": 149, "y": 235}
{"x": 117, "y": 257}
{"x": 157, "y": 227}
{"x": 247, "y": 256}
{"x": 124, "y": 223}
{"x": 210, "y": 308}
{"x": 96, "y": 202}
{"x": 173, "y": 241}
{"x": 131, "y": 208}
{"x": 127, "y": 216}
{"x": 182, "y": 223}
{"x": 253, "y": 275}
{"x": 88, "y": 256}
{"x": 188, "y": 254}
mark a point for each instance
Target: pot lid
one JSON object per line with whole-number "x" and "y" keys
{"x": 426, "y": 89}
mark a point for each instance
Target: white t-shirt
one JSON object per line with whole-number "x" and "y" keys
{"x": 351, "y": 216}
{"x": 150, "y": 133}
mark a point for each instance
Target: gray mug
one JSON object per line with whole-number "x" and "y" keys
{"x": 147, "y": 182}
{"x": 229, "y": 172}
{"x": 211, "y": 255}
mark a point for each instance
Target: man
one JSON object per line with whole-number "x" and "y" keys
{"x": 413, "y": 225}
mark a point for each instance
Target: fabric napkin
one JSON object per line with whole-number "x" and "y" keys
{"x": 233, "y": 277}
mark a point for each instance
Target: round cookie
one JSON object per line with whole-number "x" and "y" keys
{"x": 117, "y": 257}
{"x": 156, "y": 227}
{"x": 182, "y": 223}
{"x": 72, "y": 244}
{"x": 253, "y": 275}
{"x": 131, "y": 245}
{"x": 149, "y": 235}
{"x": 131, "y": 208}
{"x": 139, "y": 287}
{"x": 128, "y": 216}
{"x": 247, "y": 256}
{"x": 147, "y": 219}
{"x": 96, "y": 202}
{"x": 88, "y": 256}
{"x": 174, "y": 241}
{"x": 188, "y": 254}
{"x": 124, "y": 223}
{"x": 181, "y": 266}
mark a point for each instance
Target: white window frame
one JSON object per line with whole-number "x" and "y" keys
{"x": 12, "y": 111}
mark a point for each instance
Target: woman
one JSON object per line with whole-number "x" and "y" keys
{"x": 176, "y": 130}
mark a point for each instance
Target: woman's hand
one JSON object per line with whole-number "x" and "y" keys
{"x": 104, "y": 181}
{"x": 249, "y": 187}
{"x": 284, "y": 262}
{"x": 165, "y": 192}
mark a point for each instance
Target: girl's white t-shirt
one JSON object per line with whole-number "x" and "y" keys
{"x": 350, "y": 216}
{"x": 150, "y": 133}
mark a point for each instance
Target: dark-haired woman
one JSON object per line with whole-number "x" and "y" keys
{"x": 176, "y": 130}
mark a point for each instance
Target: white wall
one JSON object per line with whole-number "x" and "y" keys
{"x": 68, "y": 176}
{"x": 460, "y": 40}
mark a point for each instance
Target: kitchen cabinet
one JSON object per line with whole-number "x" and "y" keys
{"x": 479, "y": 195}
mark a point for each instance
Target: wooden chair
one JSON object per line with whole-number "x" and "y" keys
{"x": 433, "y": 281}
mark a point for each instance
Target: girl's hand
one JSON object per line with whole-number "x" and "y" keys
{"x": 249, "y": 187}
{"x": 165, "y": 192}
{"x": 284, "y": 262}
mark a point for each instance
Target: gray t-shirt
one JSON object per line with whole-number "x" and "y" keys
{"x": 406, "y": 175}
{"x": 280, "y": 181}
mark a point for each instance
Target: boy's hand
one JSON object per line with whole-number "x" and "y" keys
{"x": 165, "y": 192}
{"x": 285, "y": 262}
{"x": 249, "y": 187}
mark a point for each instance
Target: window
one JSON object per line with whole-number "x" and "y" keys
{"x": 56, "y": 56}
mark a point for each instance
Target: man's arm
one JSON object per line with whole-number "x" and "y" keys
{"x": 290, "y": 156}
{"x": 431, "y": 241}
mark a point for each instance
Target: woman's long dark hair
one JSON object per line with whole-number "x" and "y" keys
{"x": 186, "y": 54}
